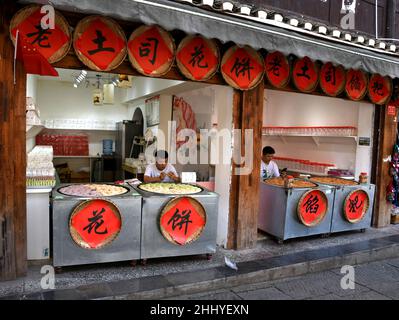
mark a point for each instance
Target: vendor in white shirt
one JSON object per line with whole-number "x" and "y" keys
{"x": 268, "y": 168}
{"x": 161, "y": 171}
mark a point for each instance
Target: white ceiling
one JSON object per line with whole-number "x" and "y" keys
{"x": 68, "y": 75}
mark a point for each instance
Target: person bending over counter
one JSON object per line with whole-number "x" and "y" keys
{"x": 161, "y": 170}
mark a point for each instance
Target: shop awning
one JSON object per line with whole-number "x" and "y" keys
{"x": 190, "y": 19}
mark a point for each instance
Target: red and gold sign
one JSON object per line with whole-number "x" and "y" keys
{"x": 305, "y": 75}
{"x": 277, "y": 69}
{"x": 53, "y": 44}
{"x": 99, "y": 43}
{"x": 242, "y": 67}
{"x": 380, "y": 89}
{"x": 332, "y": 79}
{"x": 312, "y": 207}
{"x": 95, "y": 223}
{"x": 356, "y": 205}
{"x": 197, "y": 58}
{"x": 182, "y": 220}
{"x": 356, "y": 84}
{"x": 151, "y": 50}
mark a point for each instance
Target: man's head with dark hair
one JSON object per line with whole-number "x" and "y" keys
{"x": 268, "y": 154}
{"x": 161, "y": 159}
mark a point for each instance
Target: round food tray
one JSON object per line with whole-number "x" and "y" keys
{"x": 171, "y": 186}
{"x": 77, "y": 194}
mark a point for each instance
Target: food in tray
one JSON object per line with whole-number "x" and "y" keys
{"x": 279, "y": 181}
{"x": 92, "y": 190}
{"x": 335, "y": 181}
{"x": 170, "y": 188}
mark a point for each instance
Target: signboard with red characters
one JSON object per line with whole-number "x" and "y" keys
{"x": 305, "y": 75}
{"x": 277, "y": 69}
{"x": 53, "y": 44}
{"x": 99, "y": 43}
{"x": 356, "y": 205}
{"x": 95, "y": 223}
{"x": 356, "y": 84}
{"x": 380, "y": 89}
{"x": 332, "y": 79}
{"x": 197, "y": 58}
{"x": 242, "y": 67}
{"x": 182, "y": 220}
{"x": 312, "y": 207}
{"x": 391, "y": 110}
{"x": 151, "y": 50}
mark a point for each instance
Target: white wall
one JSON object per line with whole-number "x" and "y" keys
{"x": 31, "y": 91}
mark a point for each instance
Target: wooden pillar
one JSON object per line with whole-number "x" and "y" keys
{"x": 244, "y": 189}
{"x": 13, "y": 259}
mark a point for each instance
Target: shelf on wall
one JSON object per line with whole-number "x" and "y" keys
{"x": 80, "y": 129}
{"x": 314, "y": 138}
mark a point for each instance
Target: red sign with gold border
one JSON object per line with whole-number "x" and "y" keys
{"x": 356, "y": 84}
{"x": 312, "y": 207}
{"x": 242, "y": 67}
{"x": 356, "y": 205}
{"x": 380, "y": 89}
{"x": 197, "y": 58}
{"x": 305, "y": 75}
{"x": 95, "y": 223}
{"x": 277, "y": 69}
{"x": 53, "y": 44}
{"x": 182, "y": 220}
{"x": 332, "y": 79}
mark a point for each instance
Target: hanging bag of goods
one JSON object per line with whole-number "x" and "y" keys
{"x": 332, "y": 79}
{"x": 277, "y": 69}
{"x": 242, "y": 67}
{"x": 305, "y": 75}
{"x": 52, "y": 43}
{"x": 380, "y": 89}
{"x": 99, "y": 43}
{"x": 197, "y": 58}
{"x": 151, "y": 50}
{"x": 356, "y": 84}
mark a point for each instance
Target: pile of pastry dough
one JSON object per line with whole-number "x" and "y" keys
{"x": 92, "y": 190}
{"x": 170, "y": 188}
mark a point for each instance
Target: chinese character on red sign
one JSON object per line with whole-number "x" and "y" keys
{"x": 277, "y": 69}
{"x": 332, "y": 79}
{"x": 356, "y": 84}
{"x": 312, "y": 207}
{"x": 305, "y": 75}
{"x": 356, "y": 206}
{"x": 184, "y": 221}
{"x": 379, "y": 89}
{"x": 95, "y": 223}
{"x": 391, "y": 111}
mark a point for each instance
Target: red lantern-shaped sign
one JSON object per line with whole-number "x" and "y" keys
{"x": 356, "y": 205}
{"x": 332, "y": 79}
{"x": 312, "y": 207}
{"x": 99, "y": 43}
{"x": 151, "y": 50}
{"x": 356, "y": 84}
{"x": 95, "y": 223}
{"x": 242, "y": 68}
{"x": 197, "y": 58}
{"x": 182, "y": 220}
{"x": 277, "y": 69}
{"x": 305, "y": 75}
{"x": 53, "y": 44}
{"x": 380, "y": 89}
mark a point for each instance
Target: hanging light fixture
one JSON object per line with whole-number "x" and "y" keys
{"x": 97, "y": 93}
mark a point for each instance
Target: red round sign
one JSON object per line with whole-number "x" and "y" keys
{"x": 242, "y": 68}
{"x": 277, "y": 69}
{"x": 197, "y": 58}
{"x": 332, "y": 79}
{"x": 305, "y": 75}
{"x": 380, "y": 89}
{"x": 312, "y": 207}
{"x": 182, "y": 220}
{"x": 356, "y": 84}
{"x": 95, "y": 223}
{"x": 356, "y": 205}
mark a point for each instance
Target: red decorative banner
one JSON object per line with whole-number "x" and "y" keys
{"x": 53, "y": 44}
{"x": 95, "y": 223}
{"x": 356, "y": 205}
{"x": 182, "y": 220}
{"x": 99, "y": 43}
{"x": 312, "y": 207}
{"x": 356, "y": 84}
{"x": 151, "y": 50}
{"x": 332, "y": 79}
{"x": 305, "y": 75}
{"x": 242, "y": 68}
{"x": 391, "y": 110}
{"x": 277, "y": 69}
{"x": 197, "y": 58}
{"x": 380, "y": 89}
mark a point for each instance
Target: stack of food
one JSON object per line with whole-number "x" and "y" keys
{"x": 296, "y": 183}
{"x": 40, "y": 170}
{"x": 170, "y": 188}
{"x": 93, "y": 190}
{"x": 334, "y": 181}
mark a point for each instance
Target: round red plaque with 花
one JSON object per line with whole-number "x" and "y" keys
{"x": 95, "y": 223}
{"x": 356, "y": 84}
{"x": 277, "y": 69}
{"x": 305, "y": 75}
{"x": 380, "y": 89}
{"x": 151, "y": 50}
{"x": 242, "y": 67}
{"x": 312, "y": 207}
{"x": 182, "y": 220}
{"x": 53, "y": 44}
{"x": 356, "y": 205}
{"x": 332, "y": 79}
